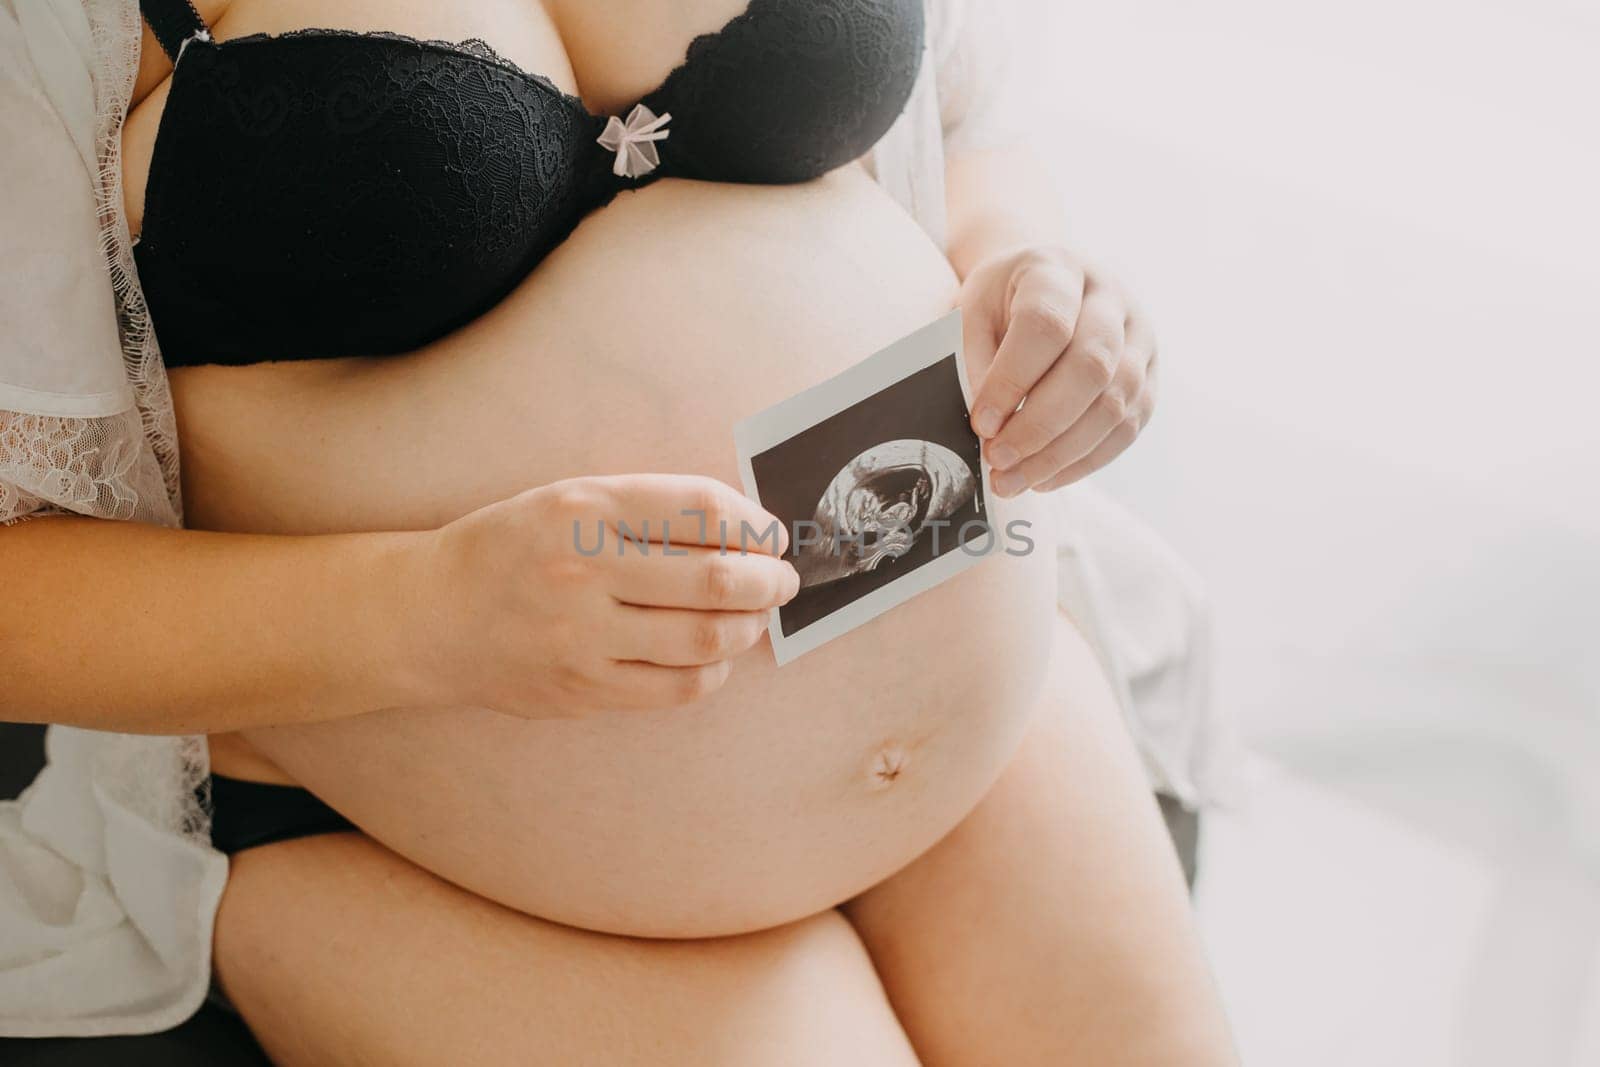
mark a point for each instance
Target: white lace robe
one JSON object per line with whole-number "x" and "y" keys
{"x": 108, "y": 883}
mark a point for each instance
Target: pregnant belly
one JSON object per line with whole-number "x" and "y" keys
{"x": 665, "y": 319}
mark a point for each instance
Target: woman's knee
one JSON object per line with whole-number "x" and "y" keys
{"x": 804, "y": 993}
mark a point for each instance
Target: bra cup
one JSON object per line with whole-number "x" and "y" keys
{"x": 790, "y": 90}
{"x": 370, "y": 200}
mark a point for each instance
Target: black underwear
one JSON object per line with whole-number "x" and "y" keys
{"x": 246, "y": 814}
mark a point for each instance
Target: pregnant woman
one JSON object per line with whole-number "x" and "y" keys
{"x": 490, "y": 801}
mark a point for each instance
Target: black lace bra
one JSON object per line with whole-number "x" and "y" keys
{"x": 327, "y": 193}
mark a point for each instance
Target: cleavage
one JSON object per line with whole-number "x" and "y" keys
{"x": 620, "y": 50}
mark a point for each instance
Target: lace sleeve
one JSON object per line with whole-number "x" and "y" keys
{"x": 104, "y": 467}
{"x": 86, "y": 420}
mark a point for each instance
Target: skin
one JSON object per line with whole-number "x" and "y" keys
{"x": 1000, "y": 945}
{"x": 749, "y": 788}
{"x": 876, "y": 977}
{"x": 221, "y": 632}
{"x": 1051, "y": 925}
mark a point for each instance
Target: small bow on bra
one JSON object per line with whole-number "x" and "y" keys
{"x": 634, "y": 141}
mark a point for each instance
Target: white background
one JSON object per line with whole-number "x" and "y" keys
{"x": 1368, "y": 235}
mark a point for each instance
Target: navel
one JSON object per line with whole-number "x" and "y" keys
{"x": 886, "y": 765}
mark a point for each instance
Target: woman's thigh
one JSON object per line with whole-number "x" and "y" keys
{"x": 1052, "y": 925}
{"x": 337, "y": 951}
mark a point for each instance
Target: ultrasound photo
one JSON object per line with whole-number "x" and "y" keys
{"x": 876, "y": 474}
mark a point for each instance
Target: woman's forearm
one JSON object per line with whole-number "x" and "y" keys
{"x": 998, "y": 200}
{"x": 142, "y": 629}
{"x": 136, "y": 628}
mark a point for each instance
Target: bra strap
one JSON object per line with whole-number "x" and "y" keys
{"x": 173, "y": 22}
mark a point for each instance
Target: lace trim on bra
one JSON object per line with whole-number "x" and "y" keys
{"x": 472, "y": 47}
{"x": 481, "y": 50}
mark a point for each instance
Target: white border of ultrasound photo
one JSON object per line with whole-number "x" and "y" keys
{"x": 925, "y": 347}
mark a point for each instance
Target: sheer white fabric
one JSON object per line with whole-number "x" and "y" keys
{"x": 108, "y": 883}
{"x": 85, "y": 416}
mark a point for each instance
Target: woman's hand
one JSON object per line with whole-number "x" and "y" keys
{"x": 524, "y": 615}
{"x": 1044, "y": 327}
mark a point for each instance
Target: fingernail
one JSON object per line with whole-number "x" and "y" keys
{"x": 988, "y": 421}
{"x": 1008, "y": 484}
{"x": 1003, "y": 456}
{"x": 791, "y": 584}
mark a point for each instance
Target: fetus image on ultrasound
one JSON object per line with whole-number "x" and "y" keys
{"x": 878, "y": 479}
{"x": 879, "y": 505}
